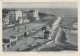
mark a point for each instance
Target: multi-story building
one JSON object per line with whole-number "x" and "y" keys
{"x": 24, "y": 14}
{"x": 18, "y": 14}
{"x": 11, "y": 17}
{"x": 30, "y": 15}
{"x": 33, "y": 15}
{"x": 25, "y": 18}
{"x": 5, "y": 20}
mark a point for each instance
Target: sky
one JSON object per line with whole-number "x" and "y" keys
{"x": 39, "y": 5}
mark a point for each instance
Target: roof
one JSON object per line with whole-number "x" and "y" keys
{"x": 12, "y": 37}
{"x": 47, "y": 32}
{"x": 6, "y": 40}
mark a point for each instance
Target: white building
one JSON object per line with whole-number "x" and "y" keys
{"x": 37, "y": 18}
{"x": 18, "y": 14}
{"x": 26, "y": 20}
{"x": 20, "y": 20}
{"x": 35, "y": 14}
{"x": 75, "y": 25}
{"x": 24, "y": 14}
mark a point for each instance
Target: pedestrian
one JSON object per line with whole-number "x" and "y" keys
{"x": 25, "y": 27}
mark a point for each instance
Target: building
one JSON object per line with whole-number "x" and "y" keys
{"x": 6, "y": 43}
{"x": 47, "y": 27}
{"x": 24, "y": 14}
{"x": 25, "y": 18}
{"x": 33, "y": 15}
{"x": 12, "y": 17}
{"x": 75, "y": 26}
{"x": 12, "y": 40}
{"x": 5, "y": 20}
{"x": 30, "y": 15}
{"x": 20, "y": 20}
{"x": 18, "y": 14}
{"x": 46, "y": 34}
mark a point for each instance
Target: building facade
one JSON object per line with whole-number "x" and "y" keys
{"x": 18, "y": 14}
{"x": 33, "y": 15}
{"x": 6, "y": 44}
{"x": 5, "y": 20}
{"x": 25, "y": 18}
{"x": 11, "y": 17}
{"x": 24, "y": 14}
{"x": 20, "y": 20}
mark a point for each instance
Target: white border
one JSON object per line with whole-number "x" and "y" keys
{"x": 69, "y": 53}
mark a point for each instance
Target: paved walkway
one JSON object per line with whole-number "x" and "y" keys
{"x": 24, "y": 42}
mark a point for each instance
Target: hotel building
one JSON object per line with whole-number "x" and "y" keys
{"x": 18, "y": 14}
{"x": 11, "y": 17}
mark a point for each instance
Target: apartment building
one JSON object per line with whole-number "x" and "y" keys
{"x": 25, "y": 17}
{"x": 33, "y": 15}
{"x": 24, "y": 14}
{"x": 5, "y": 20}
{"x": 11, "y": 17}
{"x": 18, "y": 14}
